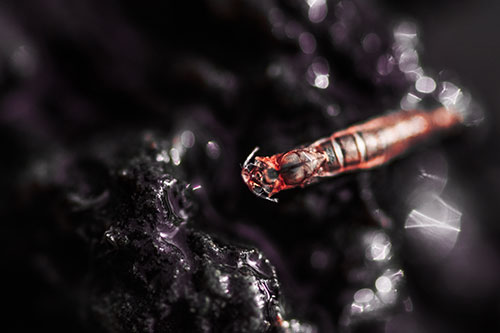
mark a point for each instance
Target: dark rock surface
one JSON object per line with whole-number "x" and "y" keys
{"x": 120, "y": 237}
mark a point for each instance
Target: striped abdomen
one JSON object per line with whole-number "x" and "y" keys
{"x": 379, "y": 140}
{"x": 358, "y": 147}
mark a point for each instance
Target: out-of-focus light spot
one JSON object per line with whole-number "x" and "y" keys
{"x": 197, "y": 187}
{"x": 213, "y": 149}
{"x": 387, "y": 286}
{"x": 383, "y": 284}
{"x": 421, "y": 220}
{"x": 332, "y": 110}
{"x": 409, "y": 101}
{"x": 371, "y": 43}
{"x": 180, "y": 145}
{"x": 472, "y": 113}
{"x": 365, "y": 300}
{"x": 285, "y": 324}
{"x": 454, "y": 98}
{"x": 450, "y": 95}
{"x": 317, "y": 74}
{"x": 23, "y": 60}
{"x": 317, "y": 10}
{"x": 345, "y": 10}
{"x": 293, "y": 30}
{"x": 163, "y": 157}
{"x": 319, "y": 259}
{"x": 406, "y": 34}
{"x": 175, "y": 155}
{"x": 276, "y": 16}
{"x": 408, "y": 61}
{"x": 379, "y": 247}
{"x": 296, "y": 326}
{"x": 437, "y": 178}
{"x": 436, "y": 224}
{"x": 187, "y": 139}
{"x": 274, "y": 70}
{"x": 385, "y": 64}
{"x": 307, "y": 43}
{"x": 415, "y": 74}
{"x": 277, "y": 21}
{"x": 364, "y": 295}
{"x": 338, "y": 32}
{"x": 408, "y": 304}
{"x": 425, "y": 85}
{"x": 320, "y": 66}
{"x": 369, "y": 302}
{"x": 321, "y": 81}
{"x": 344, "y": 195}
{"x": 432, "y": 177}
{"x": 19, "y": 52}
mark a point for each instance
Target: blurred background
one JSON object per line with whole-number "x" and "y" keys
{"x": 410, "y": 247}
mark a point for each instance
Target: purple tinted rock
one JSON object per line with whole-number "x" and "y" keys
{"x": 149, "y": 267}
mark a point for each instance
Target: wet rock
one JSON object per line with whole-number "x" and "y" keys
{"x": 149, "y": 267}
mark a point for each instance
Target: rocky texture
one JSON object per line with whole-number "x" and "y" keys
{"x": 141, "y": 265}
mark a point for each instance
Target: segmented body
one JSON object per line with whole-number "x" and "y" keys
{"x": 363, "y": 146}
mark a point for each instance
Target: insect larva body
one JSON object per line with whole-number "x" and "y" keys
{"x": 364, "y": 146}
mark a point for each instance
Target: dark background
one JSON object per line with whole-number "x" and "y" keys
{"x": 92, "y": 69}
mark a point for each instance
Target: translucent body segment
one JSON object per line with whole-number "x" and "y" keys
{"x": 374, "y": 146}
{"x": 349, "y": 150}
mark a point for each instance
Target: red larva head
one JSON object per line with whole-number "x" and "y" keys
{"x": 260, "y": 176}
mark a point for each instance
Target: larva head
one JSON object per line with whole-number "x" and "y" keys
{"x": 260, "y": 176}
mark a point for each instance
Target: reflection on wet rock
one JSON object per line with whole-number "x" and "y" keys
{"x": 147, "y": 257}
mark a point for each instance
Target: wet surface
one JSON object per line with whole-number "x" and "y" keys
{"x": 123, "y": 129}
